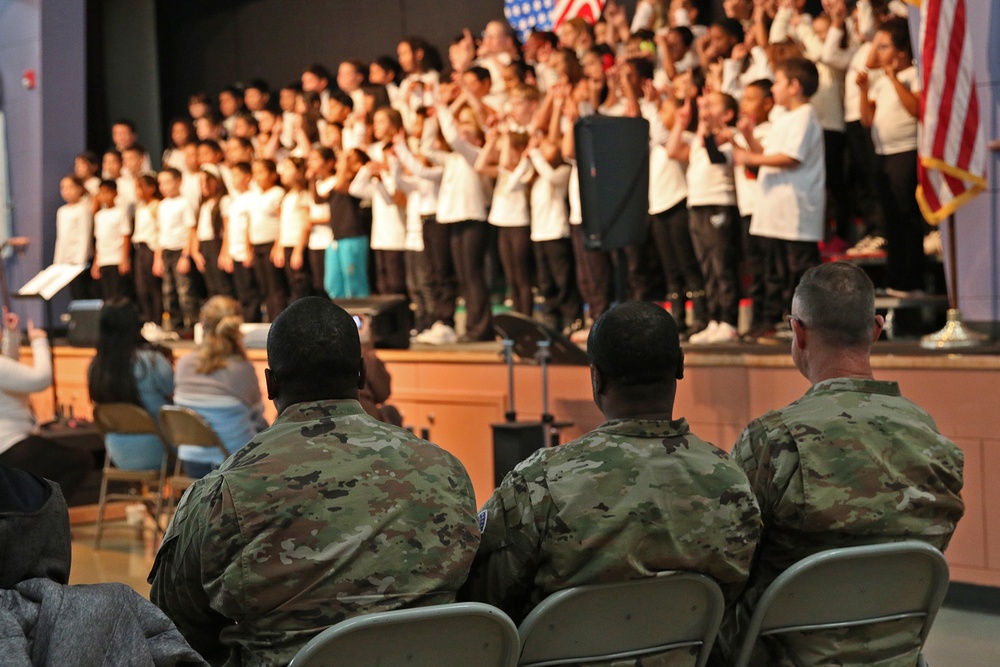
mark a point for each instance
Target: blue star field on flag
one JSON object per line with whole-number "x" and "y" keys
{"x": 527, "y": 15}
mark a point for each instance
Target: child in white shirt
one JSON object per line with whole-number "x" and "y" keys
{"x": 670, "y": 227}
{"x": 207, "y": 244}
{"x": 236, "y": 254}
{"x": 294, "y": 234}
{"x": 712, "y": 207}
{"x": 172, "y": 260}
{"x": 145, "y": 240}
{"x": 501, "y": 159}
{"x": 74, "y": 232}
{"x": 755, "y": 105}
{"x": 563, "y": 308}
{"x": 112, "y": 229}
{"x": 790, "y": 208}
{"x": 264, "y": 225}
{"x": 889, "y": 107}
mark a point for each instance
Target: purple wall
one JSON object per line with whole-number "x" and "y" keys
{"x": 977, "y": 226}
{"x": 45, "y": 126}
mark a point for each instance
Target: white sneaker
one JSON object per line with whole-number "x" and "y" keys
{"x": 724, "y": 333}
{"x": 153, "y": 333}
{"x": 439, "y": 334}
{"x": 705, "y": 335}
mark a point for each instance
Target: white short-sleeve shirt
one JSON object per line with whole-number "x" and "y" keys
{"x": 176, "y": 222}
{"x": 790, "y": 202}
{"x": 894, "y": 129}
{"x": 111, "y": 226}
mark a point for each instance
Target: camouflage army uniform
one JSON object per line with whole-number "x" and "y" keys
{"x": 628, "y": 500}
{"x": 328, "y": 514}
{"x": 852, "y": 462}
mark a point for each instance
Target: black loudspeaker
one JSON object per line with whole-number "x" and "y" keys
{"x": 514, "y": 442}
{"x": 390, "y": 318}
{"x": 612, "y": 157}
{"x": 84, "y": 318}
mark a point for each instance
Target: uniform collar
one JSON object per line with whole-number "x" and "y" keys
{"x": 855, "y": 384}
{"x": 312, "y": 410}
{"x": 646, "y": 428}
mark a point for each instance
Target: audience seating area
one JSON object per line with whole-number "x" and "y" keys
{"x": 839, "y": 588}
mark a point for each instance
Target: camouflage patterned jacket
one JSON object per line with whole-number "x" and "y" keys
{"x": 625, "y": 501}
{"x": 328, "y": 514}
{"x": 852, "y": 462}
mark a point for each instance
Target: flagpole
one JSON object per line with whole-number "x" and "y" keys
{"x": 955, "y": 335}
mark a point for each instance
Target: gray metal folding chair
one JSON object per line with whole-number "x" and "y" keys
{"x": 128, "y": 419}
{"x": 631, "y": 619}
{"x": 463, "y": 633}
{"x": 184, "y": 426}
{"x": 851, "y": 587}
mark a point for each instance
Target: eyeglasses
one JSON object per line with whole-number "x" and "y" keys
{"x": 792, "y": 318}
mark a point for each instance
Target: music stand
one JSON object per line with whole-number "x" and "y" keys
{"x": 531, "y": 341}
{"x": 45, "y": 285}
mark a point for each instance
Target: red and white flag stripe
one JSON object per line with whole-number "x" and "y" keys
{"x": 951, "y": 146}
{"x": 569, "y": 9}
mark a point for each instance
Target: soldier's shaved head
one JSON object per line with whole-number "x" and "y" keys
{"x": 635, "y": 343}
{"x": 313, "y": 353}
{"x": 837, "y": 301}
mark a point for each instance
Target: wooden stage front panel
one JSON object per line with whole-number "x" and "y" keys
{"x": 457, "y": 395}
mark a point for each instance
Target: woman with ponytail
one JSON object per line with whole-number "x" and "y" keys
{"x": 220, "y": 384}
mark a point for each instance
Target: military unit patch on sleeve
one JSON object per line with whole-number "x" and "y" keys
{"x": 482, "y": 521}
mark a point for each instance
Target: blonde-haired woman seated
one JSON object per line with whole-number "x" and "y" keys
{"x": 219, "y": 383}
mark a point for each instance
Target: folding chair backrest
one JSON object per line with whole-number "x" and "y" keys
{"x": 464, "y": 633}
{"x": 674, "y": 610}
{"x": 124, "y": 418}
{"x": 852, "y": 586}
{"x": 184, "y": 426}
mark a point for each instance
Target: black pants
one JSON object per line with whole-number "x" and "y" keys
{"x": 179, "y": 298}
{"x": 113, "y": 284}
{"x": 66, "y": 466}
{"x": 468, "y": 252}
{"x": 753, "y": 268}
{"x": 416, "y": 285}
{"x": 317, "y": 266}
{"x": 671, "y": 232}
{"x": 593, "y": 273}
{"x": 904, "y": 224}
{"x": 299, "y": 280}
{"x": 270, "y": 280}
{"x": 148, "y": 288}
{"x": 390, "y": 271}
{"x": 217, "y": 281}
{"x": 515, "y": 257}
{"x": 715, "y": 238}
{"x": 836, "y": 195}
{"x": 865, "y": 186}
{"x": 784, "y": 264}
{"x": 247, "y": 292}
{"x": 556, "y": 282}
{"x": 441, "y": 280}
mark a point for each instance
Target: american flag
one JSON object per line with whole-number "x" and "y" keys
{"x": 951, "y": 146}
{"x": 527, "y": 15}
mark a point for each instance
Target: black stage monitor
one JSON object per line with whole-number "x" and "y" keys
{"x": 390, "y": 318}
{"x": 613, "y": 160}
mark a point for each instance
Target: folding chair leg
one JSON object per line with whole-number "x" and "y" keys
{"x": 100, "y": 511}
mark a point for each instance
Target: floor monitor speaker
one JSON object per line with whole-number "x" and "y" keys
{"x": 390, "y": 318}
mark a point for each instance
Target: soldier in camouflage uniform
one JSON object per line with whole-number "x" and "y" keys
{"x": 639, "y": 495}
{"x": 326, "y": 515}
{"x": 852, "y": 462}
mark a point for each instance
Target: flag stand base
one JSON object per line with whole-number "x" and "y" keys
{"x": 955, "y": 335}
